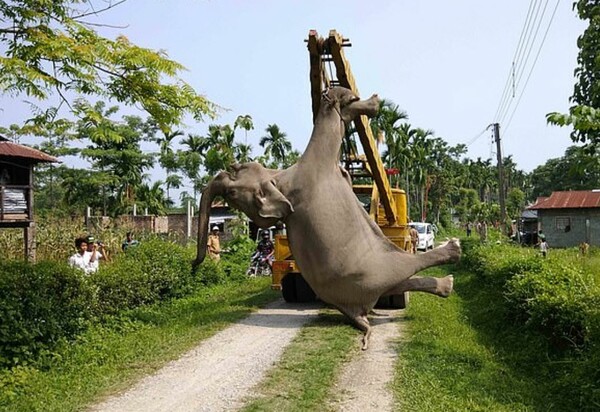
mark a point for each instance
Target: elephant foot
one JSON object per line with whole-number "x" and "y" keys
{"x": 365, "y": 339}
{"x": 444, "y": 286}
{"x": 452, "y": 250}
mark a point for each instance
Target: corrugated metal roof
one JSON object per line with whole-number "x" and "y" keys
{"x": 10, "y": 149}
{"x": 575, "y": 199}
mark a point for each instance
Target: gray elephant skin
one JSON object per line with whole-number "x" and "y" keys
{"x": 343, "y": 254}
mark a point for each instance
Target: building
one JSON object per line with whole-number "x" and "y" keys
{"x": 569, "y": 218}
{"x": 16, "y": 189}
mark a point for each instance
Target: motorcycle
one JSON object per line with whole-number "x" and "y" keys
{"x": 260, "y": 265}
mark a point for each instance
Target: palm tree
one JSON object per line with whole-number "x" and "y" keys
{"x": 275, "y": 143}
{"x": 384, "y": 123}
{"x": 245, "y": 122}
{"x": 167, "y": 158}
{"x": 191, "y": 160}
{"x": 153, "y": 198}
{"x": 242, "y": 152}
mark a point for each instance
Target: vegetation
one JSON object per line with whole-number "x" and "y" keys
{"x": 109, "y": 356}
{"x": 51, "y": 49}
{"x": 502, "y": 341}
{"x": 584, "y": 115}
{"x": 302, "y": 379}
{"x": 57, "y": 322}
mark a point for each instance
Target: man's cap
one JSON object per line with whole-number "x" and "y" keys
{"x": 215, "y": 228}
{"x": 90, "y": 239}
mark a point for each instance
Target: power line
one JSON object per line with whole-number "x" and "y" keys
{"x": 505, "y": 93}
{"x": 532, "y": 66}
{"x": 521, "y": 69}
{"x": 470, "y": 142}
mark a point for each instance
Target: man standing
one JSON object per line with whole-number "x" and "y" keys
{"x": 214, "y": 244}
{"x": 414, "y": 238}
{"x": 95, "y": 251}
{"x": 128, "y": 242}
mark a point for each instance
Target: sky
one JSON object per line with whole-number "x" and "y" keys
{"x": 445, "y": 63}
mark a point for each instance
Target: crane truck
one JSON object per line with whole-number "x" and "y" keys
{"x": 386, "y": 205}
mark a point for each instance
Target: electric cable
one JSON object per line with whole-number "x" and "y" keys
{"x": 532, "y": 66}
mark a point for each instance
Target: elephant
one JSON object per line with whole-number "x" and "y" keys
{"x": 344, "y": 256}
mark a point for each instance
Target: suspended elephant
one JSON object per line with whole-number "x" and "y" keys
{"x": 344, "y": 255}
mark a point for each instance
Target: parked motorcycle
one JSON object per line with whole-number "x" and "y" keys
{"x": 259, "y": 266}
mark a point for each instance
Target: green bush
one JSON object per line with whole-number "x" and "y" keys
{"x": 153, "y": 271}
{"x": 560, "y": 300}
{"x": 44, "y": 304}
{"x": 39, "y": 305}
{"x": 498, "y": 263}
{"x": 558, "y": 296}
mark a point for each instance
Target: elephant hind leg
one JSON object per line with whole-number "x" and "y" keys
{"x": 361, "y": 321}
{"x": 437, "y": 286}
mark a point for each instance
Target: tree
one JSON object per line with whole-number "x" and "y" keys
{"x": 49, "y": 48}
{"x": 584, "y": 115}
{"x": 245, "y": 122}
{"x": 576, "y": 170}
{"x": 191, "y": 160}
{"x": 276, "y": 144}
{"x": 383, "y": 124}
{"x": 115, "y": 151}
{"x": 515, "y": 202}
{"x": 168, "y": 160}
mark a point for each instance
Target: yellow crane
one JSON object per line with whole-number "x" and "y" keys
{"x": 386, "y": 205}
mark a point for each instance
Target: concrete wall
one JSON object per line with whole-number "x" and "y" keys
{"x": 175, "y": 225}
{"x": 584, "y": 226}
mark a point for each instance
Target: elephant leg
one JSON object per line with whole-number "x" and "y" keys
{"x": 437, "y": 286}
{"x": 361, "y": 322}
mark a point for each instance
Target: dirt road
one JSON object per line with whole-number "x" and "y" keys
{"x": 220, "y": 372}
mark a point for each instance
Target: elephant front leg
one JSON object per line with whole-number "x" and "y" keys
{"x": 436, "y": 286}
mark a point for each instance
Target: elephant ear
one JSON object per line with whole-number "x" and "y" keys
{"x": 271, "y": 202}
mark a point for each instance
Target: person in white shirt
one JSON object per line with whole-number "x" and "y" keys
{"x": 81, "y": 259}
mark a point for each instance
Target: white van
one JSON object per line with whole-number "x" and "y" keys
{"x": 426, "y": 235}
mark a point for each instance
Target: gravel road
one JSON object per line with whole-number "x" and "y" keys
{"x": 220, "y": 373}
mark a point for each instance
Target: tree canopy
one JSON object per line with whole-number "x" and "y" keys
{"x": 584, "y": 115}
{"x": 50, "y": 48}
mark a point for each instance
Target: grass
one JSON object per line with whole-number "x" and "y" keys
{"x": 111, "y": 357}
{"x": 465, "y": 354}
{"x": 302, "y": 379}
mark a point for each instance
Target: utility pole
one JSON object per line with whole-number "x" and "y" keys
{"x": 496, "y": 127}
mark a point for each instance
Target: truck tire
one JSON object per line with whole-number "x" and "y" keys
{"x": 295, "y": 289}
{"x": 393, "y": 301}
{"x": 288, "y": 288}
{"x": 304, "y": 292}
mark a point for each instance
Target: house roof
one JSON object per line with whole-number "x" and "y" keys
{"x": 9, "y": 149}
{"x": 575, "y": 199}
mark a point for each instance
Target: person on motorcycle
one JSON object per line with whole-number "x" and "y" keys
{"x": 265, "y": 247}
{"x": 262, "y": 259}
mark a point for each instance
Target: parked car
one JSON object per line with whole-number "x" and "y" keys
{"x": 426, "y": 235}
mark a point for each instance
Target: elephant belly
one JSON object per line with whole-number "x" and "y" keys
{"x": 339, "y": 258}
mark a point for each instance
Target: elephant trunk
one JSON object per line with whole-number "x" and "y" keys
{"x": 208, "y": 195}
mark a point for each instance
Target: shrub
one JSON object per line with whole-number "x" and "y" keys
{"x": 155, "y": 270}
{"x": 40, "y": 305}
{"x": 498, "y": 263}
{"x": 560, "y": 300}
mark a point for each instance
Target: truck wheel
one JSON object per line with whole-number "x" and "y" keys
{"x": 288, "y": 288}
{"x": 304, "y": 292}
{"x": 393, "y": 301}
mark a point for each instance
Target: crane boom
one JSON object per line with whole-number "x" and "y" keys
{"x": 330, "y": 49}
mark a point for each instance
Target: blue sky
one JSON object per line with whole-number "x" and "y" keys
{"x": 444, "y": 63}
